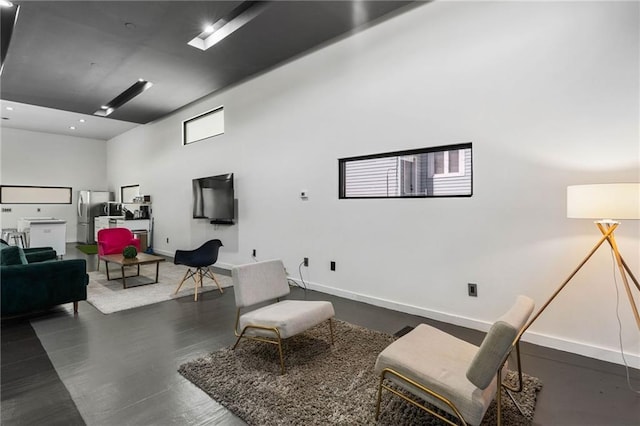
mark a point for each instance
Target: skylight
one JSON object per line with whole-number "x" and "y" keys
{"x": 138, "y": 87}
{"x": 225, "y": 26}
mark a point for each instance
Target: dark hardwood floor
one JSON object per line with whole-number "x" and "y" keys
{"x": 121, "y": 369}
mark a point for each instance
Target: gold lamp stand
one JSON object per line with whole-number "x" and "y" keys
{"x": 606, "y": 227}
{"x": 620, "y": 200}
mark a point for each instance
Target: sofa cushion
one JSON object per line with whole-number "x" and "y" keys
{"x": 42, "y": 254}
{"x": 11, "y": 255}
{"x": 290, "y": 317}
{"x": 38, "y": 286}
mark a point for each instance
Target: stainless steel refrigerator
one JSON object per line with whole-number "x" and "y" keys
{"x": 90, "y": 205}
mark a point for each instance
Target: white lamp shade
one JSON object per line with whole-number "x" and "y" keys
{"x": 604, "y": 201}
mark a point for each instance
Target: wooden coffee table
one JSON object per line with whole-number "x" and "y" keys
{"x": 140, "y": 259}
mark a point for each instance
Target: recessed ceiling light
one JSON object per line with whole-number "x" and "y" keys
{"x": 208, "y": 29}
{"x": 82, "y": 120}
{"x": 72, "y": 127}
{"x": 9, "y": 108}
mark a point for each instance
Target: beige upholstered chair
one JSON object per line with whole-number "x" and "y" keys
{"x": 449, "y": 373}
{"x": 260, "y": 282}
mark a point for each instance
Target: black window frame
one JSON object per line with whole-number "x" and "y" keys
{"x": 343, "y": 161}
{"x": 68, "y": 190}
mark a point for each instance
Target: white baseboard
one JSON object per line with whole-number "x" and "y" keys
{"x": 165, "y": 252}
{"x": 223, "y": 265}
{"x": 579, "y": 348}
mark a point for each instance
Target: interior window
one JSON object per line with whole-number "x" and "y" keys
{"x": 428, "y": 172}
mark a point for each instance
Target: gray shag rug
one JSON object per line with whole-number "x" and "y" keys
{"x": 324, "y": 384}
{"x": 108, "y": 296}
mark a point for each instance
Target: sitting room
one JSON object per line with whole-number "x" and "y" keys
{"x": 325, "y": 212}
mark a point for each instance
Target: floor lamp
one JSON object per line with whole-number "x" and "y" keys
{"x": 602, "y": 202}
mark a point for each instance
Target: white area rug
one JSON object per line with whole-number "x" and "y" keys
{"x": 109, "y": 296}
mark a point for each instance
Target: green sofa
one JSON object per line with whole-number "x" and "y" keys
{"x": 32, "y": 280}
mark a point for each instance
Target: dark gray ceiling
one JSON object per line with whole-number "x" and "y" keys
{"x": 78, "y": 55}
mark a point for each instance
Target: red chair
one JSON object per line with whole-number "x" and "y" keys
{"x": 114, "y": 240}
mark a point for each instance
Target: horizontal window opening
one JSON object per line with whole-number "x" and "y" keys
{"x": 203, "y": 126}
{"x": 444, "y": 171}
{"x": 17, "y": 194}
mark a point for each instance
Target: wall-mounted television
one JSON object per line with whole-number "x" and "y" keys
{"x": 213, "y": 199}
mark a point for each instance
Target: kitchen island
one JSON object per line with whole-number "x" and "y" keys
{"x": 45, "y": 232}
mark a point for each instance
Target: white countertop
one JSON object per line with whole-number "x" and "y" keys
{"x": 24, "y": 223}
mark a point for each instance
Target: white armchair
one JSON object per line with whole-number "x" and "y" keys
{"x": 260, "y": 282}
{"x": 451, "y": 374}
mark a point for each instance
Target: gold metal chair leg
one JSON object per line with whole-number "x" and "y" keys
{"x": 519, "y": 362}
{"x": 279, "y": 343}
{"x": 282, "y": 371}
{"x": 422, "y": 406}
{"x": 237, "y": 341}
{"x": 277, "y": 340}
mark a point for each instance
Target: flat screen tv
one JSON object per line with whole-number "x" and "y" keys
{"x": 213, "y": 199}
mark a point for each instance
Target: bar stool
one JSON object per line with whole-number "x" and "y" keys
{"x": 13, "y": 234}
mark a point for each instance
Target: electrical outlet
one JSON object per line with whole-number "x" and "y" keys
{"x": 473, "y": 289}
{"x": 306, "y": 261}
{"x": 333, "y": 265}
{"x": 254, "y": 253}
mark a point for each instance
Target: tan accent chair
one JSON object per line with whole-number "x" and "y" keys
{"x": 449, "y": 373}
{"x": 260, "y": 282}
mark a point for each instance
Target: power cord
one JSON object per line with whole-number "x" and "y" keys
{"x": 624, "y": 359}
{"x": 301, "y": 277}
{"x": 293, "y": 283}
{"x": 290, "y": 281}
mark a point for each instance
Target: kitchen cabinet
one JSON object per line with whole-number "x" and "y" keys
{"x": 140, "y": 227}
{"x": 47, "y": 232}
{"x": 101, "y": 222}
{"x": 136, "y": 216}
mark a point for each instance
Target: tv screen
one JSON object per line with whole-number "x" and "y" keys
{"x": 213, "y": 199}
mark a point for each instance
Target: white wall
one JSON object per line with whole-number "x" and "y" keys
{"x": 44, "y": 159}
{"x": 548, "y": 94}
